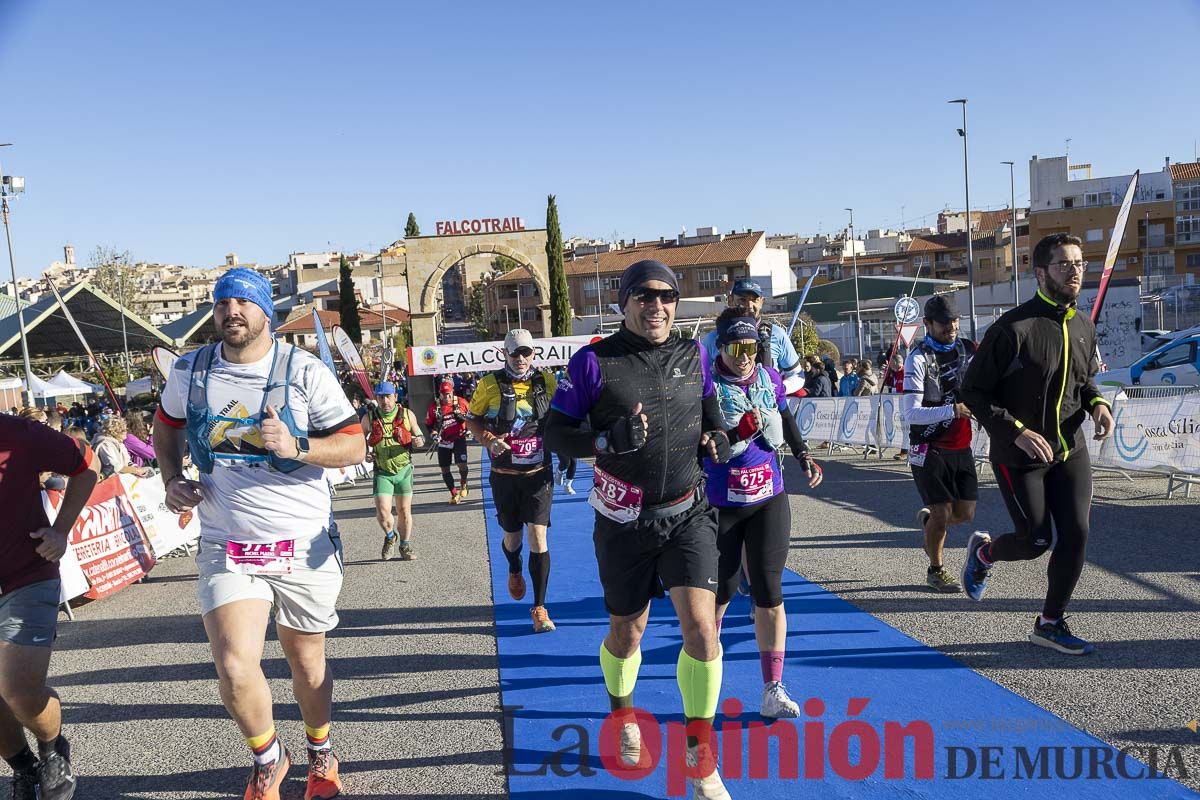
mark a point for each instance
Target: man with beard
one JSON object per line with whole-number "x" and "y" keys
{"x": 939, "y": 434}
{"x": 775, "y": 349}
{"x": 652, "y": 410}
{"x": 1031, "y": 385}
{"x": 262, "y": 420}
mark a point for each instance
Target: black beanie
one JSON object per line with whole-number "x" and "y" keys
{"x": 636, "y": 275}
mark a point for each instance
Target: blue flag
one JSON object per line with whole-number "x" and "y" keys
{"x": 323, "y": 344}
{"x": 800, "y": 305}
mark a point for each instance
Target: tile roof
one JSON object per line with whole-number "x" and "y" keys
{"x": 734, "y": 248}
{"x": 370, "y": 320}
{"x": 938, "y": 241}
{"x": 1186, "y": 172}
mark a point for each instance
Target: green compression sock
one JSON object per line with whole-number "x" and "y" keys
{"x": 620, "y": 674}
{"x": 699, "y": 685}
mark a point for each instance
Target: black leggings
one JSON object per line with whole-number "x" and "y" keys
{"x": 766, "y": 530}
{"x": 567, "y": 464}
{"x": 1036, "y": 497}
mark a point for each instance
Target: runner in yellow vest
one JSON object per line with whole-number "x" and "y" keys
{"x": 392, "y": 431}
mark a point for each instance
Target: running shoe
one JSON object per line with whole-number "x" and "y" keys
{"x": 974, "y": 573}
{"x": 25, "y": 785}
{"x": 1057, "y": 636}
{"x": 407, "y": 553}
{"x": 710, "y": 787}
{"x": 323, "y": 780}
{"x": 923, "y": 517}
{"x": 389, "y": 546}
{"x": 541, "y": 620}
{"x": 454, "y": 497}
{"x": 940, "y": 580}
{"x": 776, "y": 703}
{"x": 631, "y": 744}
{"x": 516, "y": 586}
{"x": 265, "y": 779}
{"x": 569, "y": 488}
{"x": 55, "y": 779}
{"x": 462, "y": 492}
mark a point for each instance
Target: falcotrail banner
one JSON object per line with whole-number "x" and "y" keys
{"x": 443, "y": 359}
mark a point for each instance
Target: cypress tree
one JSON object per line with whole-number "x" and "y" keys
{"x": 560, "y": 296}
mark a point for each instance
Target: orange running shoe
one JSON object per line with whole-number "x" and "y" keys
{"x": 541, "y": 620}
{"x": 265, "y": 779}
{"x": 323, "y": 780}
{"x": 516, "y": 586}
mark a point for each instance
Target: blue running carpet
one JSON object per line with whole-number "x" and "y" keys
{"x": 978, "y": 737}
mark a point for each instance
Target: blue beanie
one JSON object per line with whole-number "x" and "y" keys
{"x": 636, "y": 275}
{"x": 245, "y": 284}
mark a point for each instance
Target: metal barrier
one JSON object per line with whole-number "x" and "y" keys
{"x": 1158, "y": 392}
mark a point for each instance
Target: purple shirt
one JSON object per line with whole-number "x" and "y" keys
{"x": 580, "y": 390}
{"x": 141, "y": 452}
{"x": 716, "y": 485}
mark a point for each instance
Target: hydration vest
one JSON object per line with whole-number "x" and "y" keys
{"x": 200, "y": 419}
{"x": 507, "y": 414}
{"x": 736, "y": 400}
{"x": 933, "y": 395}
{"x": 400, "y": 430}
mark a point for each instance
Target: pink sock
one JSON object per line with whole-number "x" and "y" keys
{"x": 772, "y": 665}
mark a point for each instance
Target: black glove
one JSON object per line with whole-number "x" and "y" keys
{"x": 626, "y": 435}
{"x": 721, "y": 440}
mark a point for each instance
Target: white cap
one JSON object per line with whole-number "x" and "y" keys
{"x": 516, "y": 339}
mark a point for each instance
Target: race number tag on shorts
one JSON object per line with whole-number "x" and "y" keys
{"x": 614, "y": 498}
{"x": 526, "y": 452}
{"x": 751, "y": 484}
{"x": 246, "y": 558}
{"x": 916, "y": 455}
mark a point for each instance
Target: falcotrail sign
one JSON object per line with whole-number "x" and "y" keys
{"x": 464, "y": 227}
{"x": 442, "y": 359}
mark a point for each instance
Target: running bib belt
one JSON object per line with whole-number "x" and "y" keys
{"x": 916, "y": 454}
{"x": 526, "y": 452}
{"x": 751, "y": 484}
{"x": 614, "y": 498}
{"x": 248, "y": 558}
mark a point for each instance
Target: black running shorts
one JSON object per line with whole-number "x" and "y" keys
{"x": 946, "y": 476}
{"x": 638, "y": 560}
{"x": 522, "y": 499}
{"x": 458, "y": 453}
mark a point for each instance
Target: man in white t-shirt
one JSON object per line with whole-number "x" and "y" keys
{"x": 262, "y": 420}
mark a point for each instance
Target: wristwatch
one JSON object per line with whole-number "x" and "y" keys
{"x": 601, "y": 442}
{"x": 301, "y": 448}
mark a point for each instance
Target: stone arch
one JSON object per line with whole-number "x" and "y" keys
{"x": 434, "y": 281}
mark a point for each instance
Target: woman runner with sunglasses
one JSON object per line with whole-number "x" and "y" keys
{"x": 748, "y": 492}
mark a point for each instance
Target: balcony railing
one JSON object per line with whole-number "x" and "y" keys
{"x": 1161, "y": 240}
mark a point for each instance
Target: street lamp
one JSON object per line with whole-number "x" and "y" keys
{"x": 11, "y": 186}
{"x": 1012, "y": 190}
{"x": 857, "y": 308}
{"x": 970, "y": 249}
{"x": 599, "y": 296}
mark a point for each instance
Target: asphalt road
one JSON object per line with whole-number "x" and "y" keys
{"x": 415, "y": 656}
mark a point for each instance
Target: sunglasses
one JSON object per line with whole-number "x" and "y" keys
{"x": 647, "y": 296}
{"x": 740, "y": 349}
{"x": 522, "y": 352}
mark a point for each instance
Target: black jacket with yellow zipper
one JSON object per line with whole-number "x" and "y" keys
{"x": 1018, "y": 379}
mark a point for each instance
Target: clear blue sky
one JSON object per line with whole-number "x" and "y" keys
{"x": 183, "y": 131}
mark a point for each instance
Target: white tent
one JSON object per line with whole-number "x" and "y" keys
{"x": 44, "y": 389}
{"x": 74, "y": 385}
{"x": 139, "y": 386}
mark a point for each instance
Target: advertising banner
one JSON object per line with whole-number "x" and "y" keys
{"x": 443, "y": 359}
